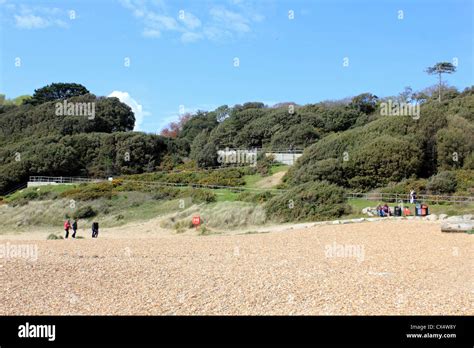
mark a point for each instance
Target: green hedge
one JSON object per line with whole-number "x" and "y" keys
{"x": 308, "y": 202}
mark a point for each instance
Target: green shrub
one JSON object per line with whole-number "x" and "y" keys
{"x": 203, "y": 231}
{"x": 250, "y": 170}
{"x": 165, "y": 192}
{"x": 264, "y": 164}
{"x": 31, "y": 195}
{"x": 358, "y": 160}
{"x": 405, "y": 186}
{"x": 219, "y": 177}
{"x": 182, "y": 225}
{"x": 84, "y": 212}
{"x": 90, "y": 192}
{"x": 223, "y": 177}
{"x": 52, "y": 236}
{"x": 443, "y": 182}
{"x": 205, "y": 196}
{"x": 260, "y": 197}
{"x": 310, "y": 201}
{"x": 465, "y": 182}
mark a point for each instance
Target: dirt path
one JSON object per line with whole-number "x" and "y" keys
{"x": 387, "y": 267}
{"x": 271, "y": 181}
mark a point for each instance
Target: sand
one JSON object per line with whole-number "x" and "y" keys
{"x": 372, "y": 268}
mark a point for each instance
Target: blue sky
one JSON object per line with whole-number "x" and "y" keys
{"x": 183, "y": 52}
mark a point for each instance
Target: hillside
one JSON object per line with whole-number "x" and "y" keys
{"x": 348, "y": 146}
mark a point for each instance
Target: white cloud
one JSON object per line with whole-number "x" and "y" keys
{"x": 231, "y": 20}
{"x": 154, "y": 23}
{"x": 137, "y": 108}
{"x": 37, "y": 17}
{"x": 190, "y": 20}
{"x": 222, "y": 22}
{"x": 31, "y": 22}
{"x": 161, "y": 22}
{"x": 151, "y": 33}
{"x": 191, "y": 37}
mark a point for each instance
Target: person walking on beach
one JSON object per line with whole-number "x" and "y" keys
{"x": 95, "y": 229}
{"x": 67, "y": 226}
{"x": 74, "y": 228}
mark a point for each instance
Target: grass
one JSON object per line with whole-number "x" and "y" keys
{"x": 225, "y": 195}
{"x": 45, "y": 190}
{"x": 227, "y": 215}
{"x": 48, "y": 209}
{"x": 121, "y": 209}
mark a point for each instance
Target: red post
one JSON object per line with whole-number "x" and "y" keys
{"x": 196, "y": 221}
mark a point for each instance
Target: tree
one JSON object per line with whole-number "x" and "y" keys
{"x": 438, "y": 69}
{"x": 203, "y": 150}
{"x": 56, "y": 91}
{"x": 174, "y": 128}
{"x": 406, "y": 96}
{"x": 222, "y": 113}
{"x": 16, "y": 101}
{"x": 365, "y": 102}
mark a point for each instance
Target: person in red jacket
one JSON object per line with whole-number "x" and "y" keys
{"x": 67, "y": 226}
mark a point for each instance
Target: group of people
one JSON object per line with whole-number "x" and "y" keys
{"x": 385, "y": 210}
{"x": 68, "y": 225}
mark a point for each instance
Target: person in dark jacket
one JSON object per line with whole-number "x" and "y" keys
{"x": 95, "y": 229}
{"x": 74, "y": 228}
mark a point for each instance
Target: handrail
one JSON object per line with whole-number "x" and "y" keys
{"x": 63, "y": 179}
{"x": 389, "y": 197}
{"x": 396, "y": 197}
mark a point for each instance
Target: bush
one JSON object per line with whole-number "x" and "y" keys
{"x": 260, "y": 197}
{"x": 182, "y": 225}
{"x": 165, "y": 192}
{"x": 405, "y": 186}
{"x": 310, "y": 201}
{"x": 205, "y": 196}
{"x": 264, "y": 164}
{"x": 469, "y": 162}
{"x": 444, "y": 182}
{"x": 84, "y": 212}
{"x": 465, "y": 182}
{"x": 31, "y": 195}
{"x": 223, "y": 177}
{"x": 90, "y": 192}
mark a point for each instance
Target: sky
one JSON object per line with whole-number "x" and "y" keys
{"x": 168, "y": 57}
